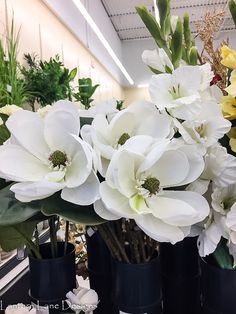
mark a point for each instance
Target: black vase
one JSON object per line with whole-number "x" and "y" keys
{"x": 52, "y": 278}
{"x": 100, "y": 274}
{"x": 218, "y": 289}
{"x": 137, "y": 287}
{"x": 180, "y": 273}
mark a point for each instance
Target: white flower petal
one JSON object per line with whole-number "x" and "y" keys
{"x": 59, "y": 124}
{"x": 81, "y": 165}
{"x": 171, "y": 169}
{"x": 153, "y": 153}
{"x": 196, "y": 201}
{"x": 33, "y": 141}
{"x": 86, "y": 133}
{"x": 101, "y": 210}
{"x": 174, "y": 212}
{"x": 199, "y": 186}
{"x": 196, "y": 163}
{"x": 30, "y": 191}
{"x": 231, "y": 217}
{"x": 208, "y": 240}
{"x": 158, "y": 230}
{"x": 18, "y": 165}
{"x": 85, "y": 194}
{"x": 115, "y": 202}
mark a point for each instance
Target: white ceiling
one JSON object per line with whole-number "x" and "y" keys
{"x": 129, "y": 26}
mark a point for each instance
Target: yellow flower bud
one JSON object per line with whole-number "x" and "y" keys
{"x": 228, "y": 57}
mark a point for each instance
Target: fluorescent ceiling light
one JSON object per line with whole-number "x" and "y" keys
{"x": 103, "y": 40}
{"x": 142, "y": 85}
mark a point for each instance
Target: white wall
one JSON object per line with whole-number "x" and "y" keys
{"x": 70, "y": 16}
{"x": 132, "y": 58}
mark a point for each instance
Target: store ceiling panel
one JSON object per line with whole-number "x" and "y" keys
{"x": 129, "y": 26}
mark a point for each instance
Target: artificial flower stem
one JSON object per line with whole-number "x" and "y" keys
{"x": 66, "y": 237}
{"x": 121, "y": 249}
{"x": 114, "y": 252}
{"x": 36, "y": 234}
{"x": 53, "y": 237}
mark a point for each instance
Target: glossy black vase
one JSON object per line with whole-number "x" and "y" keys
{"x": 51, "y": 278}
{"x": 137, "y": 287}
{"x": 180, "y": 272}
{"x": 100, "y": 272}
{"x": 218, "y": 289}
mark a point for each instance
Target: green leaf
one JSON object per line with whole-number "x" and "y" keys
{"x": 232, "y": 8}
{"x": 153, "y": 27}
{"x": 4, "y": 117}
{"x": 222, "y": 255}
{"x": 54, "y": 205}
{"x": 72, "y": 74}
{"x": 187, "y": 31}
{"x": 164, "y": 9}
{"x": 13, "y": 211}
{"x": 12, "y": 237}
{"x": 4, "y": 134}
{"x": 176, "y": 43}
{"x": 154, "y": 70}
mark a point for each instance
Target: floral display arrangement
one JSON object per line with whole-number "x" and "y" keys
{"x": 154, "y": 172}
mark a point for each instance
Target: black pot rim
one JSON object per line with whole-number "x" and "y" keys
{"x": 56, "y": 258}
{"x": 203, "y": 260}
{"x": 153, "y": 260}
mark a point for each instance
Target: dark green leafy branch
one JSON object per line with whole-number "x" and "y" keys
{"x": 47, "y": 81}
{"x": 86, "y": 89}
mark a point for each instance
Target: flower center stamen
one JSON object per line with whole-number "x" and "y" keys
{"x": 152, "y": 185}
{"x": 200, "y": 130}
{"x": 124, "y": 137}
{"x": 58, "y": 159}
{"x": 175, "y": 92}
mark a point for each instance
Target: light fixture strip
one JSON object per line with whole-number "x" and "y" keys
{"x": 103, "y": 40}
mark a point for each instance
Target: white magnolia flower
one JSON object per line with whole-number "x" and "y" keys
{"x": 8, "y": 110}
{"x": 44, "y": 111}
{"x": 47, "y": 156}
{"x": 206, "y": 129}
{"x": 158, "y": 60}
{"x": 220, "y": 168}
{"x": 178, "y": 92}
{"x": 19, "y": 309}
{"x": 108, "y": 108}
{"x": 135, "y": 188}
{"x": 141, "y": 118}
